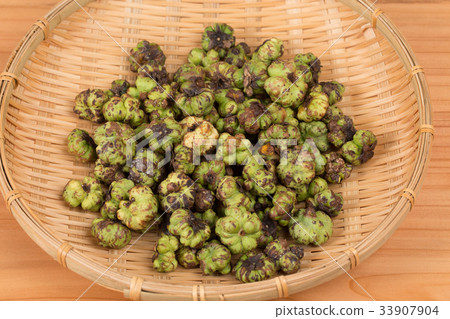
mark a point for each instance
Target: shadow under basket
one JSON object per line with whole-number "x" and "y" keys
{"x": 74, "y": 48}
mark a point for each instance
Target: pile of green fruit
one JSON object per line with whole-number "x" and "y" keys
{"x": 253, "y": 143}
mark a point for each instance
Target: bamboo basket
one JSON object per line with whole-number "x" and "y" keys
{"x": 71, "y": 49}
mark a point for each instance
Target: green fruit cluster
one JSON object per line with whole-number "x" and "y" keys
{"x": 221, "y": 158}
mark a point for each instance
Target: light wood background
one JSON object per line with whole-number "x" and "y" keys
{"x": 413, "y": 265}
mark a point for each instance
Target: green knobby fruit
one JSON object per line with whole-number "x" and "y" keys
{"x": 283, "y": 203}
{"x": 317, "y": 185}
{"x": 140, "y": 211}
{"x": 214, "y": 259}
{"x": 107, "y": 173}
{"x": 287, "y": 135}
{"x": 287, "y": 91}
{"x": 310, "y": 227}
{"x": 239, "y": 231}
{"x": 80, "y": 144}
{"x": 109, "y": 233}
{"x": 360, "y": 149}
{"x": 125, "y": 109}
{"x": 194, "y": 99}
{"x": 196, "y": 56}
{"x": 230, "y": 101}
{"x": 254, "y": 75}
{"x": 183, "y": 160}
{"x": 231, "y": 194}
{"x": 297, "y": 166}
{"x": 314, "y": 107}
{"x": 341, "y": 131}
{"x": 209, "y": 174}
{"x": 318, "y": 132}
{"x": 204, "y": 200}
{"x": 89, "y": 105}
{"x": 119, "y": 87}
{"x": 268, "y": 51}
{"x": 167, "y": 243}
{"x": 310, "y": 62}
{"x": 146, "y": 168}
{"x": 328, "y": 202}
{"x": 165, "y": 262}
{"x": 146, "y": 53}
{"x": 176, "y": 191}
{"x": 253, "y": 267}
{"x": 233, "y": 150}
{"x": 254, "y": 117}
{"x": 162, "y": 134}
{"x": 230, "y": 125}
{"x": 192, "y": 231}
{"x": 219, "y": 37}
{"x": 336, "y": 169}
{"x": 282, "y": 115}
{"x": 118, "y": 191}
{"x": 187, "y": 257}
{"x": 211, "y": 57}
{"x": 258, "y": 180}
{"x": 285, "y": 257}
{"x": 158, "y": 103}
{"x": 221, "y": 75}
{"x": 87, "y": 193}
{"x": 111, "y": 139}
{"x": 238, "y": 55}
{"x": 143, "y": 86}
{"x": 189, "y": 72}
{"x": 334, "y": 90}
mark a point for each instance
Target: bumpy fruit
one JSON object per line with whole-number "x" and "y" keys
{"x": 146, "y": 53}
{"x": 297, "y": 167}
{"x": 328, "y": 202}
{"x": 286, "y": 257}
{"x": 209, "y": 174}
{"x": 164, "y": 259}
{"x": 81, "y": 145}
{"x": 231, "y": 194}
{"x": 139, "y": 212}
{"x": 360, "y": 149}
{"x": 254, "y": 267}
{"x": 111, "y": 139}
{"x": 176, "y": 191}
{"x": 87, "y": 193}
{"x": 214, "y": 259}
{"x": 125, "y": 109}
{"x": 283, "y": 203}
{"x": 239, "y": 231}
{"x": 269, "y": 50}
{"x": 89, "y": 105}
{"x": 311, "y": 62}
{"x": 187, "y": 257}
{"x": 218, "y": 37}
{"x": 336, "y": 169}
{"x": 107, "y": 173}
{"x": 309, "y": 226}
{"x": 193, "y": 232}
{"x": 314, "y": 107}
{"x": 194, "y": 99}
{"x": 118, "y": 191}
{"x": 109, "y": 233}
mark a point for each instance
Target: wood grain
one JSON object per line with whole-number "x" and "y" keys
{"x": 413, "y": 265}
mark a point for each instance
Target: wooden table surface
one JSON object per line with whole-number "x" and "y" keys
{"x": 413, "y": 265}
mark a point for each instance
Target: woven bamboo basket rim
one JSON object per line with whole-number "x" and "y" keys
{"x": 137, "y": 287}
